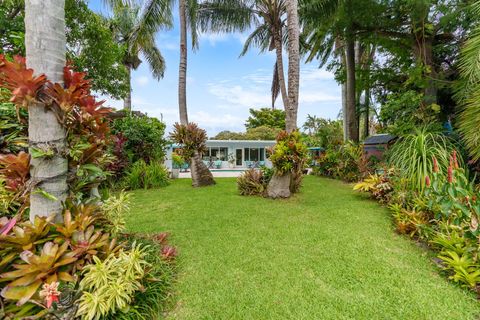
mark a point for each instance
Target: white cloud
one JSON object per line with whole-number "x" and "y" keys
{"x": 214, "y": 38}
{"x": 237, "y": 95}
{"x": 142, "y": 80}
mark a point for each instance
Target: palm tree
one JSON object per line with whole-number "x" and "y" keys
{"x": 135, "y": 27}
{"x": 187, "y": 10}
{"x": 267, "y": 17}
{"x": 45, "y": 44}
{"x": 293, "y": 26}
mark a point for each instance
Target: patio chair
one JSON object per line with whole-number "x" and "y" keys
{"x": 218, "y": 164}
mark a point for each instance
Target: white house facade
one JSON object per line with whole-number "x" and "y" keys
{"x": 231, "y": 154}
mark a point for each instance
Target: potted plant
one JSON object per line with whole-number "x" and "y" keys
{"x": 231, "y": 160}
{"x": 177, "y": 163}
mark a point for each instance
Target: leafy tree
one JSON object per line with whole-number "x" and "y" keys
{"x": 229, "y": 135}
{"x": 262, "y": 133}
{"x": 144, "y": 137}
{"x": 90, "y": 43}
{"x": 92, "y": 47}
{"x": 266, "y": 117}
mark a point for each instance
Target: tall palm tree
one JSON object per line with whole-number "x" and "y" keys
{"x": 187, "y": 10}
{"x": 45, "y": 44}
{"x": 135, "y": 27}
{"x": 293, "y": 26}
{"x": 267, "y": 17}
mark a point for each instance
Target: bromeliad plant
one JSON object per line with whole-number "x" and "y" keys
{"x": 289, "y": 155}
{"x": 75, "y": 108}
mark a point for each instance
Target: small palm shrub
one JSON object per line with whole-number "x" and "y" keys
{"x": 146, "y": 176}
{"x": 251, "y": 183}
{"x": 414, "y": 156}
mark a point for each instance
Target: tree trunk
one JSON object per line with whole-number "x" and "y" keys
{"x": 127, "y": 102}
{"x": 201, "y": 175}
{"x": 423, "y": 52}
{"x": 45, "y": 50}
{"x": 366, "y": 130}
{"x": 182, "y": 72}
{"x": 280, "y": 73}
{"x": 293, "y": 28}
{"x": 279, "y": 185}
{"x": 351, "y": 115}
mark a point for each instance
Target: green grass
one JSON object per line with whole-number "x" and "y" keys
{"x": 327, "y": 253}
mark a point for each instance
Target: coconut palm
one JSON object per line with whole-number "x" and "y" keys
{"x": 187, "y": 10}
{"x": 135, "y": 27}
{"x": 293, "y": 27}
{"x": 268, "y": 20}
{"x": 45, "y": 44}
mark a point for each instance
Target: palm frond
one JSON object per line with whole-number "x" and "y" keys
{"x": 275, "y": 85}
{"x": 154, "y": 58}
{"x": 259, "y": 38}
{"x": 468, "y": 90}
{"x": 468, "y": 121}
{"x": 154, "y": 15}
{"x": 226, "y": 15}
{"x": 192, "y": 21}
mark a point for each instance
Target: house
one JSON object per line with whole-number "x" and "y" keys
{"x": 376, "y": 145}
{"x": 231, "y": 154}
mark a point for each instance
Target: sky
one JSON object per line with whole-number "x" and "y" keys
{"x": 221, "y": 86}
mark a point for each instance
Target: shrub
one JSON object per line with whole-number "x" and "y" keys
{"x": 414, "y": 156}
{"x": 251, "y": 182}
{"x": 146, "y": 176}
{"x": 343, "y": 163}
{"x": 144, "y": 137}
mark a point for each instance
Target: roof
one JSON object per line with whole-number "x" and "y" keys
{"x": 234, "y": 143}
{"x": 379, "y": 139}
{"x": 242, "y": 141}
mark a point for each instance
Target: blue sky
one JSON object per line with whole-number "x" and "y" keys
{"x": 221, "y": 87}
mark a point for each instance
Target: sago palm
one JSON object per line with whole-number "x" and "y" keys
{"x": 135, "y": 26}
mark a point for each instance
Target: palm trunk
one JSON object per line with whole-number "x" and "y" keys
{"x": 293, "y": 28}
{"x": 283, "y": 185}
{"x": 45, "y": 50}
{"x": 280, "y": 73}
{"x": 344, "y": 112}
{"x": 127, "y": 102}
{"x": 182, "y": 72}
{"x": 366, "y": 130}
{"x": 351, "y": 116}
{"x": 201, "y": 176}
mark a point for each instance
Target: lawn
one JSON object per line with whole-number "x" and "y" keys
{"x": 327, "y": 253}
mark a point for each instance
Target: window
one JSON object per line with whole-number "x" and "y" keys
{"x": 216, "y": 153}
{"x": 254, "y": 154}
